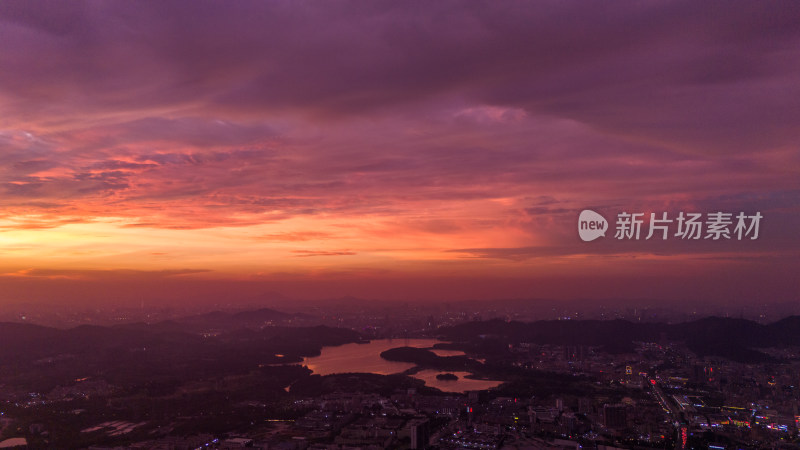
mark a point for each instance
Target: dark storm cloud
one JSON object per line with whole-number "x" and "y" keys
{"x": 708, "y": 77}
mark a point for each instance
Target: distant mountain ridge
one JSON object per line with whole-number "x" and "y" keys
{"x": 735, "y": 339}
{"x": 41, "y": 358}
{"x": 221, "y": 320}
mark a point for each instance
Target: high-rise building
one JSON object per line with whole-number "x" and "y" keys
{"x": 615, "y": 416}
{"x": 584, "y": 405}
{"x": 419, "y": 433}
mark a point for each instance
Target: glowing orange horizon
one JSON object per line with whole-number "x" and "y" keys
{"x": 151, "y": 150}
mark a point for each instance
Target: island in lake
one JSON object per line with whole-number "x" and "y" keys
{"x": 447, "y": 377}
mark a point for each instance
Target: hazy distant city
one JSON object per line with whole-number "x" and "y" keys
{"x": 393, "y": 318}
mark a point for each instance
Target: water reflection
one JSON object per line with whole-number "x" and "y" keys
{"x": 461, "y": 385}
{"x": 366, "y": 358}
{"x": 363, "y": 357}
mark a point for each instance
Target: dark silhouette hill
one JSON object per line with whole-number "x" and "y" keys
{"x": 735, "y": 339}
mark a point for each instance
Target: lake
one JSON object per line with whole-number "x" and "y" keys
{"x": 366, "y": 358}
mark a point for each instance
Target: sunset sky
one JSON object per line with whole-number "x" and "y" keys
{"x": 199, "y": 150}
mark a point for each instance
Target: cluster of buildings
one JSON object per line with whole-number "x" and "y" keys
{"x": 661, "y": 395}
{"x": 476, "y": 420}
